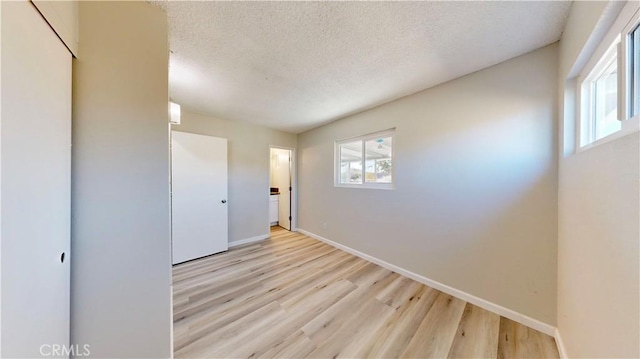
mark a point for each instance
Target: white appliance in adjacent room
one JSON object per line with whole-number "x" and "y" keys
{"x": 273, "y": 209}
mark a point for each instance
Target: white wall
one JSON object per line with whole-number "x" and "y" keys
{"x": 598, "y": 217}
{"x": 249, "y": 160}
{"x": 475, "y": 199}
{"x": 121, "y": 262}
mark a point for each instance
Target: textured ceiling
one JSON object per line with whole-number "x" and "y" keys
{"x": 297, "y": 65}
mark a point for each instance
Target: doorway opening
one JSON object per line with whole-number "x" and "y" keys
{"x": 281, "y": 187}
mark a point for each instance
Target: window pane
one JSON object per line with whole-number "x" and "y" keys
{"x": 635, "y": 71}
{"x": 378, "y": 160}
{"x": 605, "y": 101}
{"x": 351, "y": 162}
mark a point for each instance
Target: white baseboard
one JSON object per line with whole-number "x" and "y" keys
{"x": 562, "y": 350}
{"x": 248, "y": 240}
{"x": 482, "y": 303}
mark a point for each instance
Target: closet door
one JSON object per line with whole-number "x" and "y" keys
{"x": 35, "y": 170}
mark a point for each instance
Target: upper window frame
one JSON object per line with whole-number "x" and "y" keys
{"x": 391, "y": 132}
{"x": 617, "y": 39}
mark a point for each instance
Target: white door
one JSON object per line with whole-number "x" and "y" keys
{"x": 35, "y": 188}
{"x": 199, "y": 195}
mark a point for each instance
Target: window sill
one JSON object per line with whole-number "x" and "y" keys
{"x": 629, "y": 126}
{"x": 386, "y": 186}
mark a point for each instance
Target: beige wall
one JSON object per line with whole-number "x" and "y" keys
{"x": 599, "y": 212}
{"x": 280, "y": 172}
{"x": 121, "y": 254}
{"x": 249, "y": 160}
{"x": 475, "y": 199}
{"x": 62, "y": 16}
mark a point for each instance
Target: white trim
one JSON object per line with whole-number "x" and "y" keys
{"x": 482, "y": 303}
{"x": 628, "y": 127}
{"x": 369, "y": 185}
{"x": 562, "y": 350}
{"x": 249, "y": 240}
{"x": 588, "y": 126}
{"x": 615, "y": 43}
{"x": 628, "y": 56}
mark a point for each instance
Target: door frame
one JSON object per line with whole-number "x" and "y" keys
{"x": 294, "y": 187}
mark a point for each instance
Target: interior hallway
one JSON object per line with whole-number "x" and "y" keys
{"x": 292, "y": 296}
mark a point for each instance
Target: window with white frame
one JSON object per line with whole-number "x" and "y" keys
{"x": 365, "y": 161}
{"x": 608, "y": 85}
{"x": 634, "y": 75}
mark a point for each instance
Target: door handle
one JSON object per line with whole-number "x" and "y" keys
{"x": 62, "y": 258}
{"x": 224, "y": 201}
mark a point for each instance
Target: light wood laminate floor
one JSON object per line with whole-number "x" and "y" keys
{"x": 293, "y": 297}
